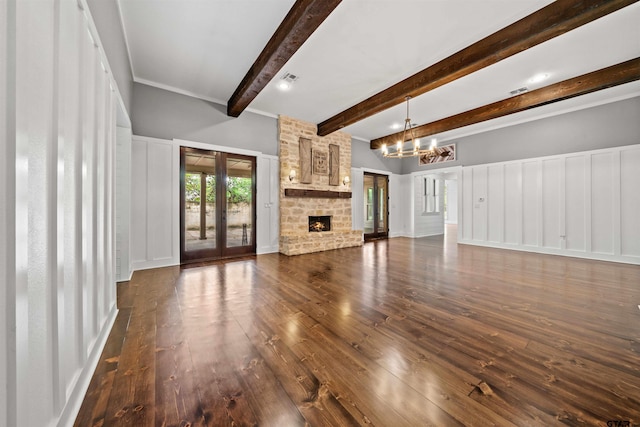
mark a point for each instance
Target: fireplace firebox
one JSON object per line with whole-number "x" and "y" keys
{"x": 319, "y": 223}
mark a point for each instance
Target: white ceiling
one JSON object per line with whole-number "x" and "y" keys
{"x": 204, "y": 48}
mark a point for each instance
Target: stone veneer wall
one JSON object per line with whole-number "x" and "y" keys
{"x": 295, "y": 237}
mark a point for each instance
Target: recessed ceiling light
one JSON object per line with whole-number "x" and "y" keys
{"x": 284, "y": 85}
{"x": 539, "y": 78}
{"x": 286, "y": 81}
{"x": 395, "y": 126}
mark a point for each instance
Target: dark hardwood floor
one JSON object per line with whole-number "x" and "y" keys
{"x": 400, "y": 332}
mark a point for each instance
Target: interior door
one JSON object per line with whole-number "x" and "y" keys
{"x": 217, "y": 199}
{"x": 376, "y": 210}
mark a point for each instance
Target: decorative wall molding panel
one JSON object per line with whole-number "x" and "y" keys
{"x": 155, "y": 203}
{"x": 581, "y": 204}
{"x": 268, "y": 206}
{"x": 123, "y": 204}
{"x": 58, "y": 296}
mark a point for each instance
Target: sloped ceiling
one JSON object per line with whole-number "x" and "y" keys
{"x": 204, "y": 48}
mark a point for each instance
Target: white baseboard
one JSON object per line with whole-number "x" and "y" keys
{"x": 146, "y": 265}
{"x": 550, "y": 251}
{"x": 79, "y": 389}
{"x": 267, "y": 250}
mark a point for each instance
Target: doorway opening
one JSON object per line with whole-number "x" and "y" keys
{"x": 451, "y": 208}
{"x": 376, "y": 206}
{"x": 217, "y": 205}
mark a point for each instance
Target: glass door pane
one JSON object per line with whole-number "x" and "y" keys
{"x": 382, "y": 204}
{"x": 239, "y": 202}
{"x": 199, "y": 201}
{"x": 368, "y": 204}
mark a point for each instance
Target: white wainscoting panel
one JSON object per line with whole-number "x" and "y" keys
{"x": 575, "y": 202}
{"x": 465, "y": 194}
{"x": 579, "y": 204}
{"x": 602, "y": 203}
{"x": 123, "y": 203}
{"x": 7, "y": 226}
{"x": 512, "y": 203}
{"x": 161, "y": 217}
{"x": 155, "y": 204}
{"x": 267, "y": 204}
{"x": 138, "y": 202}
{"x": 553, "y": 189}
{"x": 58, "y": 157}
{"x": 530, "y": 203}
{"x": 495, "y": 210}
{"x": 480, "y": 203}
{"x": 630, "y": 202}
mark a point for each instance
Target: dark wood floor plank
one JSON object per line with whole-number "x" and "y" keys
{"x": 313, "y": 398}
{"x": 397, "y": 332}
{"x": 239, "y": 388}
{"x": 94, "y": 406}
{"x": 132, "y": 398}
{"x": 177, "y": 397}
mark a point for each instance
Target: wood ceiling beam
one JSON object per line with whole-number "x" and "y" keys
{"x": 302, "y": 20}
{"x": 551, "y": 21}
{"x": 615, "y": 75}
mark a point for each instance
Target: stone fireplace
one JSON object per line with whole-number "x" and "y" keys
{"x": 299, "y": 202}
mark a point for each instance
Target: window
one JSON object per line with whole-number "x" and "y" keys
{"x": 430, "y": 195}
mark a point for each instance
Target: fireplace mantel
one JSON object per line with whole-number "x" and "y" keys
{"x": 319, "y": 194}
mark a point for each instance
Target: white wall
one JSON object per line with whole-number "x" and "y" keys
{"x": 155, "y": 204}
{"x": 582, "y": 204}
{"x": 57, "y": 204}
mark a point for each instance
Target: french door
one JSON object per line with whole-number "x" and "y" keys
{"x": 376, "y": 210}
{"x": 217, "y": 205}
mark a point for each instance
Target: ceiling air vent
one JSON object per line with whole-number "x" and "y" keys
{"x": 289, "y": 77}
{"x": 519, "y": 91}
